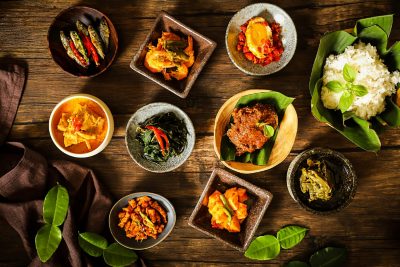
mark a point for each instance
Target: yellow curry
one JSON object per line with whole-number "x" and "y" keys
{"x": 81, "y": 125}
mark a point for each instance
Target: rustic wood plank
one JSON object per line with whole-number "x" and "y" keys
{"x": 368, "y": 227}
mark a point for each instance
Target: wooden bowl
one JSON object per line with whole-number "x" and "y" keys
{"x": 65, "y": 21}
{"x": 283, "y": 143}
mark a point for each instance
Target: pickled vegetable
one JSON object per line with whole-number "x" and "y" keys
{"x": 317, "y": 180}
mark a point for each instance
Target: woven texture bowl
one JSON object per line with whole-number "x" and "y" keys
{"x": 283, "y": 143}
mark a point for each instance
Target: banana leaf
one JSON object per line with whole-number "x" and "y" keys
{"x": 363, "y": 133}
{"x": 260, "y": 156}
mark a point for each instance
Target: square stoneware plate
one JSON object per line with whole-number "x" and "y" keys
{"x": 258, "y": 202}
{"x": 203, "y": 48}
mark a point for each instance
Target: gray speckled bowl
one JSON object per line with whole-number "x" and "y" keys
{"x": 346, "y": 181}
{"x": 271, "y": 13}
{"x": 135, "y": 149}
{"x": 131, "y": 243}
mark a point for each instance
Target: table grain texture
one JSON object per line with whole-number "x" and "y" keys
{"x": 368, "y": 228}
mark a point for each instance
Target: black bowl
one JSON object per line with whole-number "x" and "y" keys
{"x": 345, "y": 181}
{"x": 65, "y": 21}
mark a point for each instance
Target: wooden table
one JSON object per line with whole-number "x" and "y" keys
{"x": 368, "y": 228}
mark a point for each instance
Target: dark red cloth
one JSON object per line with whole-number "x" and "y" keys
{"x": 25, "y": 178}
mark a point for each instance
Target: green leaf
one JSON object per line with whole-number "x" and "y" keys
{"x": 392, "y": 57}
{"x": 356, "y": 130}
{"x": 359, "y": 90}
{"x": 331, "y": 43}
{"x": 290, "y": 236}
{"x": 278, "y": 100}
{"x": 228, "y": 150}
{"x": 263, "y": 248}
{"x": 385, "y": 22}
{"x": 345, "y": 101}
{"x": 335, "y": 86}
{"x": 349, "y": 73}
{"x": 376, "y": 36}
{"x": 267, "y": 129}
{"x": 117, "y": 255}
{"x": 297, "y": 264}
{"x": 329, "y": 257}
{"x": 93, "y": 244}
{"x": 391, "y": 114}
{"x": 362, "y": 135}
{"x": 261, "y": 156}
{"x": 55, "y": 205}
{"x": 47, "y": 240}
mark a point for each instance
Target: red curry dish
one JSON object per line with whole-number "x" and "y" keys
{"x": 260, "y": 41}
{"x": 247, "y": 130}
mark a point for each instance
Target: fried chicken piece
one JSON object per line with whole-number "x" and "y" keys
{"x": 142, "y": 218}
{"x": 160, "y": 210}
{"x": 246, "y": 131}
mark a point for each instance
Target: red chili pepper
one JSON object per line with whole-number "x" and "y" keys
{"x": 90, "y": 48}
{"x": 160, "y": 135}
{"x": 77, "y": 54}
{"x": 76, "y": 123}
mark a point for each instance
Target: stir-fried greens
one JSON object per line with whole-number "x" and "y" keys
{"x": 162, "y": 136}
{"x": 317, "y": 179}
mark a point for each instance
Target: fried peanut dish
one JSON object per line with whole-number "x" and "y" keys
{"x": 172, "y": 56}
{"x": 252, "y": 127}
{"x": 228, "y": 210}
{"x": 142, "y": 218}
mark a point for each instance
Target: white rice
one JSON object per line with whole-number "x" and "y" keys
{"x": 371, "y": 72}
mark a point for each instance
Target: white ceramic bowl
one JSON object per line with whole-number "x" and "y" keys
{"x": 107, "y": 138}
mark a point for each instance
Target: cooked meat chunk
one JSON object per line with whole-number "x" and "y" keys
{"x": 246, "y": 131}
{"x": 142, "y": 218}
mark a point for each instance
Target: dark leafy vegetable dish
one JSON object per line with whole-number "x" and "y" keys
{"x": 254, "y": 124}
{"x": 317, "y": 180}
{"x": 260, "y": 41}
{"x": 228, "y": 210}
{"x": 162, "y": 136}
{"x": 142, "y": 218}
{"x": 87, "y": 45}
{"x": 172, "y": 56}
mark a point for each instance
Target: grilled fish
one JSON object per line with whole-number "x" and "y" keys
{"x": 82, "y": 28}
{"x": 104, "y": 32}
{"x": 84, "y": 33}
{"x": 65, "y": 42}
{"x": 79, "y": 45}
{"x": 94, "y": 37}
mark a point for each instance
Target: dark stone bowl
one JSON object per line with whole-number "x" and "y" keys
{"x": 345, "y": 187}
{"x": 131, "y": 243}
